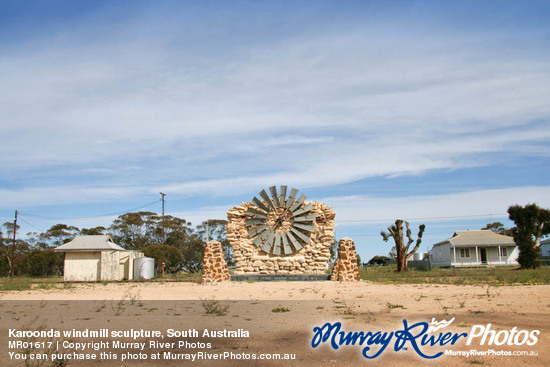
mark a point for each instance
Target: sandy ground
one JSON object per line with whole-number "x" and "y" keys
{"x": 360, "y": 306}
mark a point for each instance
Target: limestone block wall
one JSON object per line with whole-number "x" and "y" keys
{"x": 345, "y": 266}
{"x": 214, "y": 268}
{"x": 313, "y": 258}
{"x": 110, "y": 263}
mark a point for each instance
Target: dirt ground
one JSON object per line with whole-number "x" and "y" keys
{"x": 360, "y": 306}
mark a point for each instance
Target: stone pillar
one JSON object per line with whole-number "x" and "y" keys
{"x": 345, "y": 266}
{"x": 214, "y": 268}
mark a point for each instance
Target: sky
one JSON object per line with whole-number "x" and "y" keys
{"x": 431, "y": 111}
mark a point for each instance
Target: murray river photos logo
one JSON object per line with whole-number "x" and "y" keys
{"x": 425, "y": 339}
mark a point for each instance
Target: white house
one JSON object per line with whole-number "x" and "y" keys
{"x": 474, "y": 248}
{"x": 94, "y": 258}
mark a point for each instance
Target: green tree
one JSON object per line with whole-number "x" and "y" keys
{"x": 134, "y": 230}
{"x": 7, "y": 251}
{"x": 392, "y": 254}
{"x": 532, "y": 224}
{"x": 403, "y": 253}
{"x": 96, "y": 231}
{"x": 379, "y": 260}
{"x": 58, "y": 235}
{"x": 333, "y": 250}
{"x": 39, "y": 263}
{"x": 173, "y": 259}
{"x": 193, "y": 254}
{"x": 499, "y": 228}
{"x": 217, "y": 232}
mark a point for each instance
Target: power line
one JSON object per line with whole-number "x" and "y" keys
{"x": 425, "y": 218}
{"x": 41, "y": 230}
{"x": 90, "y": 217}
{"x": 378, "y": 235}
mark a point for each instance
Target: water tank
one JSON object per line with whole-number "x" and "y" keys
{"x": 144, "y": 268}
{"x": 418, "y": 255}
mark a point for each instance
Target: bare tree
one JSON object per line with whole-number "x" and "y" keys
{"x": 396, "y": 231}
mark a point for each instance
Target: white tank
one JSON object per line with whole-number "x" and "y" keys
{"x": 418, "y": 256}
{"x": 144, "y": 268}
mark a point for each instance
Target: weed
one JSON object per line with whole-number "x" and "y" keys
{"x": 281, "y": 309}
{"x": 101, "y": 307}
{"x": 348, "y": 310}
{"x": 391, "y": 306}
{"x": 462, "y": 304}
{"x": 135, "y": 299}
{"x": 213, "y": 307}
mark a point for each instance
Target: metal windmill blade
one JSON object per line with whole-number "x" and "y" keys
{"x": 253, "y": 222}
{"x": 259, "y": 240}
{"x": 298, "y": 202}
{"x": 300, "y": 235}
{"x": 257, "y": 230}
{"x": 266, "y": 198}
{"x": 294, "y": 241}
{"x": 274, "y": 195}
{"x": 305, "y": 218}
{"x": 291, "y": 197}
{"x": 255, "y": 213}
{"x": 306, "y": 208}
{"x": 277, "y": 246}
{"x": 268, "y": 242}
{"x": 286, "y": 245}
{"x": 305, "y": 227}
{"x": 259, "y": 204}
{"x": 282, "y": 196}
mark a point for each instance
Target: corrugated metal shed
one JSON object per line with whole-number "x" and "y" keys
{"x": 90, "y": 243}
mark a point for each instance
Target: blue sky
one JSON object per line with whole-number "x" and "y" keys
{"x": 435, "y": 112}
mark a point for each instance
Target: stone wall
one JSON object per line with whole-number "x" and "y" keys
{"x": 345, "y": 267}
{"x": 313, "y": 258}
{"x": 214, "y": 268}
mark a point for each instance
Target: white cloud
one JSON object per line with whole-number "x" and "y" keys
{"x": 81, "y": 104}
{"x": 352, "y": 210}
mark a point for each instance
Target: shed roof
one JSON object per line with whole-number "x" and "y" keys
{"x": 90, "y": 243}
{"x": 478, "y": 238}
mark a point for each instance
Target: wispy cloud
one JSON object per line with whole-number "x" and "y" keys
{"x": 352, "y": 210}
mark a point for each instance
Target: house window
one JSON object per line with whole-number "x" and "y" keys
{"x": 464, "y": 252}
{"x": 503, "y": 251}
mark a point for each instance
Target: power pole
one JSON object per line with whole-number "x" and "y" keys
{"x": 163, "y": 233}
{"x": 13, "y": 247}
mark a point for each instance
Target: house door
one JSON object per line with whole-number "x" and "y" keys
{"x": 483, "y": 255}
